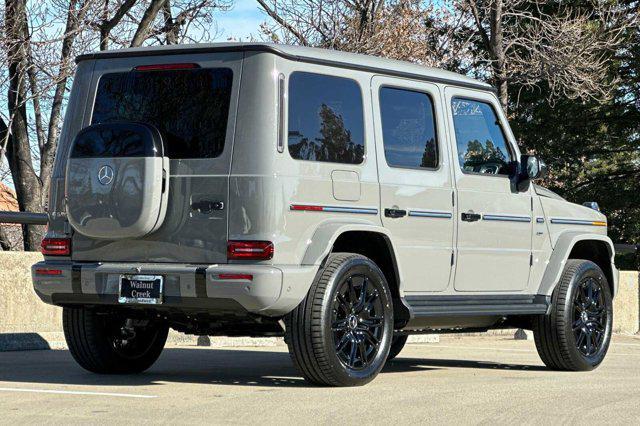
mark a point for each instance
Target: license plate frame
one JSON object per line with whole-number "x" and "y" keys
{"x": 151, "y": 288}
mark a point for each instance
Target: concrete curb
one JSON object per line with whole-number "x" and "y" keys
{"x": 55, "y": 340}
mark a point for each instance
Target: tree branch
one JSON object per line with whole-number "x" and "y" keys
{"x": 274, "y": 15}
{"x": 146, "y": 22}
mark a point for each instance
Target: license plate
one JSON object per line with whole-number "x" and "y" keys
{"x": 142, "y": 289}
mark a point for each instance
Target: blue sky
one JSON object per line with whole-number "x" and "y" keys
{"x": 242, "y": 21}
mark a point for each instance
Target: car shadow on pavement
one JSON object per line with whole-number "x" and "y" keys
{"x": 236, "y": 367}
{"x": 176, "y": 365}
{"x": 401, "y": 365}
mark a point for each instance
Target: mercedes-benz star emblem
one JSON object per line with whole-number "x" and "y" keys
{"x": 106, "y": 175}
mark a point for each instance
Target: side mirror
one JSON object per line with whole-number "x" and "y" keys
{"x": 531, "y": 168}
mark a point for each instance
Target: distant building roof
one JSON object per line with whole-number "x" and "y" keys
{"x": 8, "y": 200}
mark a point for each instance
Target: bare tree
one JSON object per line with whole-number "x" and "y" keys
{"x": 567, "y": 47}
{"x": 520, "y": 42}
{"x": 38, "y": 43}
{"x": 398, "y": 29}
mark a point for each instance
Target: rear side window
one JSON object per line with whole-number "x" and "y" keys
{"x": 325, "y": 119}
{"x": 190, "y": 108}
{"x": 408, "y": 128}
{"x": 482, "y": 146}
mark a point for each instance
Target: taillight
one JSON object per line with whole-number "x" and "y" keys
{"x": 45, "y": 271}
{"x": 56, "y": 246}
{"x": 249, "y": 250}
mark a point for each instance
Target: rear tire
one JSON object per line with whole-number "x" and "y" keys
{"x": 576, "y": 334}
{"x": 98, "y": 342}
{"x": 341, "y": 332}
{"x": 397, "y": 344}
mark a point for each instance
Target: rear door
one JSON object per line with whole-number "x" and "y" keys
{"x": 415, "y": 181}
{"x": 192, "y": 101}
{"x": 494, "y": 219}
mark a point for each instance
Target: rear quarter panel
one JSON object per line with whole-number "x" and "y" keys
{"x": 264, "y": 183}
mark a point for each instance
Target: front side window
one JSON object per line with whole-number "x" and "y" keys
{"x": 482, "y": 146}
{"x": 408, "y": 128}
{"x": 190, "y": 107}
{"x": 325, "y": 119}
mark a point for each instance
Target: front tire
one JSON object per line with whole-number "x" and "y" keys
{"x": 109, "y": 343}
{"x": 341, "y": 332}
{"x": 576, "y": 334}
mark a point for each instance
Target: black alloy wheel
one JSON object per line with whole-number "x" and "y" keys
{"x": 340, "y": 334}
{"x": 357, "y": 322}
{"x": 576, "y": 332}
{"x": 589, "y": 316}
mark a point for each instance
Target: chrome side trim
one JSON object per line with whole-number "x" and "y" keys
{"x": 560, "y": 221}
{"x": 506, "y": 218}
{"x": 332, "y": 209}
{"x": 357, "y": 210}
{"x": 540, "y": 220}
{"x": 431, "y": 214}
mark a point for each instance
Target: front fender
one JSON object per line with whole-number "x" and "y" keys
{"x": 562, "y": 249}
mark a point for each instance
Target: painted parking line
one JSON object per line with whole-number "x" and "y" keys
{"x": 61, "y": 392}
{"x": 633, "y": 354}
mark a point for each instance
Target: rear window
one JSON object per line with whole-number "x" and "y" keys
{"x": 190, "y": 108}
{"x": 325, "y": 119}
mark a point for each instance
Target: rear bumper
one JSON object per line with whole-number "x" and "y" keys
{"x": 272, "y": 290}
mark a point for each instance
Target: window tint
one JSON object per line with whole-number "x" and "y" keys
{"x": 325, "y": 119}
{"x": 482, "y": 146}
{"x": 408, "y": 128}
{"x": 189, "y": 107}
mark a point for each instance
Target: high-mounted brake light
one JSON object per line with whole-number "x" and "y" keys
{"x": 249, "y": 250}
{"x": 56, "y": 246}
{"x": 165, "y": 67}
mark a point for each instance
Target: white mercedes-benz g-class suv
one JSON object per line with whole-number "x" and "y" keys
{"x": 340, "y": 200}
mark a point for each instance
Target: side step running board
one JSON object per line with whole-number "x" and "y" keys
{"x": 433, "y": 306}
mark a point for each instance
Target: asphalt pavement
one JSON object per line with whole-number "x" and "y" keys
{"x": 465, "y": 380}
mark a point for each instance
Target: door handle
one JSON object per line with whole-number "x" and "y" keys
{"x": 394, "y": 213}
{"x": 207, "y": 206}
{"x": 471, "y": 217}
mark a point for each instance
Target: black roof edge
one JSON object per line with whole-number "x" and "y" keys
{"x": 126, "y": 53}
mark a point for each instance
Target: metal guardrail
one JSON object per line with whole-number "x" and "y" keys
{"x": 24, "y": 218}
{"x": 627, "y": 248}
{"x": 27, "y": 218}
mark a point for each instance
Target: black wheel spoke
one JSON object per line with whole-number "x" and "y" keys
{"x": 363, "y": 352}
{"x": 343, "y": 303}
{"x": 590, "y": 317}
{"x": 362, "y": 298}
{"x": 577, "y": 324}
{"x": 352, "y": 292}
{"x": 371, "y": 337}
{"x": 346, "y": 338}
{"x": 357, "y": 321}
{"x": 373, "y": 322}
{"x": 340, "y": 325}
{"x": 352, "y": 354}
